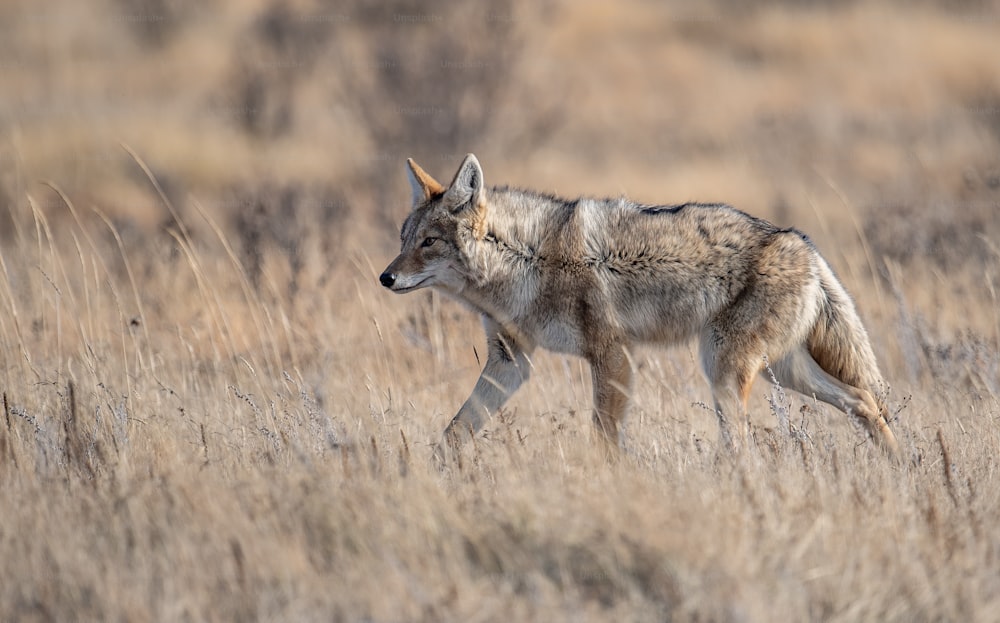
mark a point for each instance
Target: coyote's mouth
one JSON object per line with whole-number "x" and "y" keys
{"x": 415, "y": 286}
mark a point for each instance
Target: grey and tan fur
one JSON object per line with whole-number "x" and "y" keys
{"x": 592, "y": 277}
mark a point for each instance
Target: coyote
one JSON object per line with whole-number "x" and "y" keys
{"x": 592, "y": 277}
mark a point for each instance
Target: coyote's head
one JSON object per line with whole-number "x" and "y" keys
{"x": 437, "y": 232}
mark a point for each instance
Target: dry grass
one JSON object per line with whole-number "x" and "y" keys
{"x": 213, "y": 412}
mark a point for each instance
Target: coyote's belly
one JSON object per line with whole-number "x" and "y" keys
{"x": 660, "y": 311}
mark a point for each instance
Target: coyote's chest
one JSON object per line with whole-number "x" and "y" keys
{"x": 560, "y": 335}
{"x": 568, "y": 309}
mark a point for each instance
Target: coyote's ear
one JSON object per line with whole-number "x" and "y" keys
{"x": 422, "y": 184}
{"x": 467, "y": 187}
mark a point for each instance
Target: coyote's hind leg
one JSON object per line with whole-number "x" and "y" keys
{"x": 799, "y": 371}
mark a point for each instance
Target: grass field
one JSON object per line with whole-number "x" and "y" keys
{"x": 213, "y": 412}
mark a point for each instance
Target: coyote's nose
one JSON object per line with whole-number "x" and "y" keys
{"x": 387, "y": 279}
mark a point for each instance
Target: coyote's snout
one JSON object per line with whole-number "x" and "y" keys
{"x": 592, "y": 277}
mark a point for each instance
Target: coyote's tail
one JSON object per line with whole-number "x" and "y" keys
{"x": 839, "y": 344}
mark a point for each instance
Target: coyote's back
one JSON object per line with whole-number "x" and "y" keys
{"x": 592, "y": 277}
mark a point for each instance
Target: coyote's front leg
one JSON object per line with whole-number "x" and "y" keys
{"x": 507, "y": 368}
{"x": 612, "y": 376}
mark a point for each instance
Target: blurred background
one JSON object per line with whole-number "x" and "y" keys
{"x": 873, "y": 126}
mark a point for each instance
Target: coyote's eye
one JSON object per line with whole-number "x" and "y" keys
{"x": 428, "y": 242}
